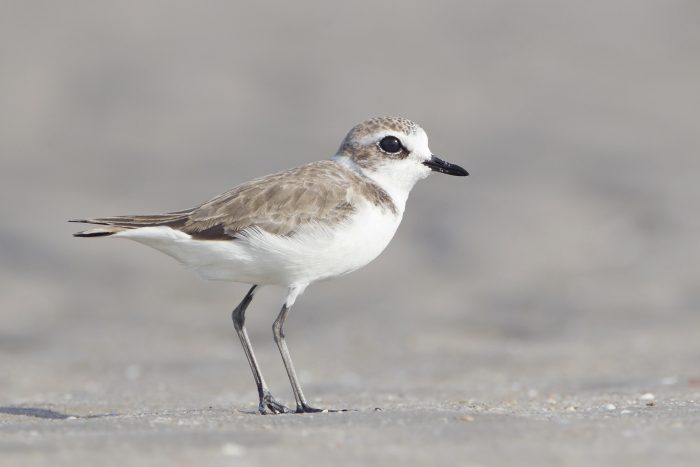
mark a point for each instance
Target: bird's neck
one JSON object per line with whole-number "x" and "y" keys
{"x": 397, "y": 184}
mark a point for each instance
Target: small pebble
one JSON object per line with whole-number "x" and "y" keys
{"x": 467, "y": 418}
{"x": 648, "y": 397}
{"x": 609, "y": 407}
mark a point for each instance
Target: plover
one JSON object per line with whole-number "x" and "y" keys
{"x": 296, "y": 227}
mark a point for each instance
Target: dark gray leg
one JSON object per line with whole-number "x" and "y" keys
{"x": 278, "y": 332}
{"x": 268, "y": 404}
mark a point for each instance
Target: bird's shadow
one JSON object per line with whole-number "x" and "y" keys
{"x": 46, "y": 414}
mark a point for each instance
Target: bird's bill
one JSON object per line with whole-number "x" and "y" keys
{"x": 438, "y": 165}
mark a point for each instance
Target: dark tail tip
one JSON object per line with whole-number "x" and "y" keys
{"x": 92, "y": 234}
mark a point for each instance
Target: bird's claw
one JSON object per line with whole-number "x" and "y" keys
{"x": 269, "y": 406}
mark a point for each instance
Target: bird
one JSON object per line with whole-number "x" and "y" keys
{"x": 293, "y": 228}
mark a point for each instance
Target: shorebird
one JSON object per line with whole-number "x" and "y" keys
{"x": 293, "y": 228}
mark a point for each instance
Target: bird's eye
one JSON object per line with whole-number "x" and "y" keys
{"x": 390, "y": 144}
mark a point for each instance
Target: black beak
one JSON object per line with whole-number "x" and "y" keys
{"x": 438, "y": 165}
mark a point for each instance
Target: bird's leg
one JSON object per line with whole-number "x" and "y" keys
{"x": 278, "y": 332}
{"x": 268, "y": 404}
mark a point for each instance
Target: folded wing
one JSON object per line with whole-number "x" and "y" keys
{"x": 320, "y": 192}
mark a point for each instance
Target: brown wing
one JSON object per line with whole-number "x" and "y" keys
{"x": 278, "y": 204}
{"x": 319, "y": 192}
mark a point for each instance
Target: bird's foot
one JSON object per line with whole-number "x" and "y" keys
{"x": 270, "y": 406}
{"x": 305, "y": 408}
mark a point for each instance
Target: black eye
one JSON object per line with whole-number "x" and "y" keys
{"x": 390, "y": 144}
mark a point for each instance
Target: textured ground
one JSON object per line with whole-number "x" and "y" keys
{"x": 544, "y": 311}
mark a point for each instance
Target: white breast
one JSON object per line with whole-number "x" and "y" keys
{"x": 313, "y": 253}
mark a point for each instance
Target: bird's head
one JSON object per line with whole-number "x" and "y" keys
{"x": 394, "y": 152}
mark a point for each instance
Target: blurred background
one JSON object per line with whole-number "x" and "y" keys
{"x": 567, "y": 261}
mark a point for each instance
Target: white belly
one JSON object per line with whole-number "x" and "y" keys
{"x": 313, "y": 253}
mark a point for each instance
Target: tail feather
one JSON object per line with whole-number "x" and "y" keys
{"x": 120, "y": 223}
